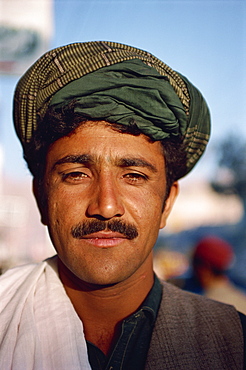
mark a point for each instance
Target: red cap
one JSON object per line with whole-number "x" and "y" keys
{"x": 214, "y": 251}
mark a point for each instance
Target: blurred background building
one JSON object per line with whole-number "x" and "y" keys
{"x": 26, "y": 28}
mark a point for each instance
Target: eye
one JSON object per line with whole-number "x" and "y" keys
{"x": 135, "y": 178}
{"x": 74, "y": 177}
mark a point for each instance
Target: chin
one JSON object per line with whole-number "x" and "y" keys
{"x": 103, "y": 274}
{"x": 105, "y": 280}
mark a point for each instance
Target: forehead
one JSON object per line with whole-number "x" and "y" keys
{"x": 102, "y": 141}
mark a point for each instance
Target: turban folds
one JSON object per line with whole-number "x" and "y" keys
{"x": 116, "y": 83}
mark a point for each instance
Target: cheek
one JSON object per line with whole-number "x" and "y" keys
{"x": 65, "y": 210}
{"x": 61, "y": 202}
{"x": 59, "y": 207}
{"x": 148, "y": 207}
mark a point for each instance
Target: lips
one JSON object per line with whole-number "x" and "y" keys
{"x": 105, "y": 239}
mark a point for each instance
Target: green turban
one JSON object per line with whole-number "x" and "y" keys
{"x": 116, "y": 83}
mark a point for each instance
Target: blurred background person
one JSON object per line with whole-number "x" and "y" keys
{"x": 211, "y": 262}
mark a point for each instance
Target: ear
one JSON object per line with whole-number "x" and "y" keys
{"x": 40, "y": 200}
{"x": 169, "y": 203}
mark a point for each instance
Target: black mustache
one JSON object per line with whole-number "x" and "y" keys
{"x": 93, "y": 226}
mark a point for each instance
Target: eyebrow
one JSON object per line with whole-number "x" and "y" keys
{"x": 88, "y": 159}
{"x": 81, "y": 158}
{"x": 135, "y": 162}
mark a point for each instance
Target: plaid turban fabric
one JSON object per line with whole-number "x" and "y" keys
{"x": 163, "y": 103}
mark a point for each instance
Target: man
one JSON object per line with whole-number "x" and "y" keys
{"x": 211, "y": 261}
{"x": 107, "y": 130}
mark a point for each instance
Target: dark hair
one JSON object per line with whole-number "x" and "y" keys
{"x": 58, "y": 123}
{"x": 199, "y": 262}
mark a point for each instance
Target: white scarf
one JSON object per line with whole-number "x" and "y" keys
{"x": 39, "y": 328}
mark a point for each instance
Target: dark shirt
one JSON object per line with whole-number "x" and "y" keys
{"x": 131, "y": 349}
{"x": 243, "y": 322}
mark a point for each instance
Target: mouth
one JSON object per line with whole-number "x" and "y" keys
{"x": 105, "y": 239}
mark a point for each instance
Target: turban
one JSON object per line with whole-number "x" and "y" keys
{"x": 116, "y": 83}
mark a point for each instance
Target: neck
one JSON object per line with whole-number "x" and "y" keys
{"x": 102, "y": 308}
{"x": 217, "y": 281}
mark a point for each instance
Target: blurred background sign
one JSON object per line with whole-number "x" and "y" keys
{"x": 23, "y": 35}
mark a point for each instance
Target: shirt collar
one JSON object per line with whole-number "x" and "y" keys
{"x": 152, "y": 301}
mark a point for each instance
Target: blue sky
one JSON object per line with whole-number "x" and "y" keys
{"x": 204, "y": 40}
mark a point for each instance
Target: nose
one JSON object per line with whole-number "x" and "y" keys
{"x": 106, "y": 201}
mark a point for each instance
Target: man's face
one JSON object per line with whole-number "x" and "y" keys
{"x": 97, "y": 178}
